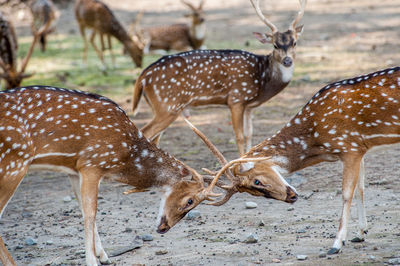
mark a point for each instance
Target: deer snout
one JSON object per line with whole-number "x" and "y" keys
{"x": 287, "y": 61}
{"x": 291, "y": 195}
{"x": 163, "y": 227}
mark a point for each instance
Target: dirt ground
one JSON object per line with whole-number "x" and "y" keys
{"x": 341, "y": 39}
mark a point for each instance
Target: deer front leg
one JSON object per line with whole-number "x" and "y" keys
{"x": 75, "y": 183}
{"x": 89, "y": 191}
{"x": 99, "y": 52}
{"x": 359, "y": 196}
{"x": 237, "y": 112}
{"x": 248, "y": 129}
{"x": 85, "y": 43}
{"x": 351, "y": 171}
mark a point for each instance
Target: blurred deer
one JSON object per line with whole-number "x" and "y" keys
{"x": 8, "y": 53}
{"x": 239, "y": 79}
{"x": 178, "y": 37}
{"x": 43, "y": 12}
{"x": 97, "y": 16}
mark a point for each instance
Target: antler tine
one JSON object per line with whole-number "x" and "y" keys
{"x": 299, "y": 14}
{"x": 228, "y": 195}
{"x": 256, "y": 6}
{"x": 201, "y": 5}
{"x": 189, "y": 5}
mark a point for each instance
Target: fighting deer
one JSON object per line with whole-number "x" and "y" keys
{"x": 178, "y": 37}
{"x": 97, "y": 16}
{"x": 8, "y": 54}
{"x": 90, "y": 138}
{"x": 343, "y": 121}
{"x": 239, "y": 79}
{"x": 43, "y": 12}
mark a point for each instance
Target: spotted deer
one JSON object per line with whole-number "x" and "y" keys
{"x": 343, "y": 121}
{"x": 8, "y": 54}
{"x": 90, "y": 138}
{"x": 43, "y": 12}
{"x": 97, "y": 16}
{"x": 179, "y": 37}
{"x": 239, "y": 79}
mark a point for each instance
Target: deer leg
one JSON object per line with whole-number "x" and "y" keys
{"x": 89, "y": 183}
{"x": 248, "y": 129}
{"x": 237, "y": 123}
{"x": 110, "y": 47}
{"x": 153, "y": 129}
{"x": 359, "y": 196}
{"x": 75, "y": 183}
{"x": 99, "y": 52}
{"x": 8, "y": 186}
{"x": 85, "y": 43}
{"x": 351, "y": 171}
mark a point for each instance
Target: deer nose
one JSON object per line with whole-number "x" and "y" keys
{"x": 163, "y": 227}
{"x": 291, "y": 195}
{"x": 287, "y": 61}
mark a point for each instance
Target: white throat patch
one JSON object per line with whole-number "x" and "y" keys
{"x": 200, "y": 31}
{"x": 286, "y": 72}
{"x": 162, "y": 203}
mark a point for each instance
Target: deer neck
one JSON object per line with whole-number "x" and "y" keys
{"x": 197, "y": 34}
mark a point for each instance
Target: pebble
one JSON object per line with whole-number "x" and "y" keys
{"x": 322, "y": 254}
{"x": 30, "y": 241}
{"x": 251, "y": 205}
{"x": 147, "y": 237}
{"x": 276, "y": 260}
{"x": 251, "y": 239}
{"x": 67, "y": 199}
{"x": 395, "y": 261}
{"x": 261, "y": 223}
{"x": 193, "y": 214}
{"x": 161, "y": 252}
{"x": 301, "y": 257}
{"x": 49, "y": 242}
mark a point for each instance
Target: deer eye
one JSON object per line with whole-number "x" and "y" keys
{"x": 189, "y": 202}
{"x": 275, "y": 46}
{"x": 257, "y": 182}
{"x": 295, "y": 43}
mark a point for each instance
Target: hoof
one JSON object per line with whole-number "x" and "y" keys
{"x": 333, "y": 251}
{"x": 357, "y": 240}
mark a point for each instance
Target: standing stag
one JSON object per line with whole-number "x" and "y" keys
{"x": 97, "y": 16}
{"x": 239, "y": 79}
{"x": 8, "y": 53}
{"x": 43, "y": 12}
{"x": 177, "y": 36}
{"x": 343, "y": 121}
{"x": 90, "y": 138}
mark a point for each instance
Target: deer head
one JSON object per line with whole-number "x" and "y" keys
{"x": 284, "y": 42}
{"x": 197, "y": 28}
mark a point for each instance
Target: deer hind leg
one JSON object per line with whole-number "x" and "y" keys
{"x": 110, "y": 47}
{"x": 237, "y": 123}
{"x": 75, "y": 183}
{"x": 248, "y": 129}
{"x": 351, "y": 172}
{"x": 89, "y": 183}
{"x": 8, "y": 185}
{"x": 85, "y": 43}
{"x": 154, "y": 128}
{"x": 98, "y": 51}
{"x": 359, "y": 196}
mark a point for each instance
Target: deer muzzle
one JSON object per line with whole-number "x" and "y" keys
{"x": 287, "y": 61}
{"x": 163, "y": 227}
{"x": 291, "y": 195}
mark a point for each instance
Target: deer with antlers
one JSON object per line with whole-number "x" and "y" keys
{"x": 97, "y": 16}
{"x": 239, "y": 79}
{"x": 91, "y": 138}
{"x": 179, "y": 37}
{"x": 8, "y": 53}
{"x": 343, "y": 121}
{"x": 43, "y": 12}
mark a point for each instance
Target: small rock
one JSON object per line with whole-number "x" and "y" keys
{"x": 301, "y": 257}
{"x": 290, "y": 209}
{"x": 251, "y": 205}
{"x": 49, "y": 242}
{"x": 19, "y": 247}
{"x": 301, "y": 231}
{"x": 395, "y": 261}
{"x": 147, "y": 237}
{"x": 67, "y": 199}
{"x": 251, "y": 239}
{"x": 127, "y": 230}
{"x": 322, "y": 254}
{"x": 193, "y": 214}
{"x": 261, "y": 223}
{"x": 276, "y": 260}
{"x": 161, "y": 252}
{"x": 30, "y": 241}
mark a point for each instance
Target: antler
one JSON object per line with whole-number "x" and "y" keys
{"x": 256, "y": 6}
{"x": 189, "y": 5}
{"x": 299, "y": 15}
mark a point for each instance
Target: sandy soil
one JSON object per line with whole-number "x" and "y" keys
{"x": 341, "y": 39}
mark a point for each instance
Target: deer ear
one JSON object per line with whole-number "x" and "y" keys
{"x": 299, "y": 30}
{"x": 263, "y": 37}
{"x": 244, "y": 167}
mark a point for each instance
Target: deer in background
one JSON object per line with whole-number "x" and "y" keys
{"x": 90, "y": 138}
{"x": 97, "y": 16}
{"x": 343, "y": 121}
{"x": 8, "y": 53}
{"x": 178, "y": 37}
{"x": 43, "y": 12}
{"x": 239, "y": 79}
